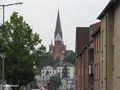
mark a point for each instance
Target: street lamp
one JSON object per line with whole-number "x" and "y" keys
{"x": 3, "y": 6}
{"x": 43, "y": 79}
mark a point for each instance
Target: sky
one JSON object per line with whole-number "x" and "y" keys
{"x": 41, "y": 15}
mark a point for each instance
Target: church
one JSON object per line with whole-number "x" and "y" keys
{"x": 58, "y": 48}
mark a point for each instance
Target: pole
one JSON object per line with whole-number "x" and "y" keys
{"x": 3, "y": 6}
{"x": 3, "y": 13}
{"x": 3, "y": 68}
{"x": 3, "y": 53}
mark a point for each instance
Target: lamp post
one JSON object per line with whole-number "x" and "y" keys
{"x": 43, "y": 79}
{"x": 3, "y": 6}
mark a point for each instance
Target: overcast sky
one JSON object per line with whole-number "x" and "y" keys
{"x": 41, "y": 15}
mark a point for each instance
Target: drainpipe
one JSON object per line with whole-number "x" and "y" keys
{"x": 81, "y": 72}
{"x": 80, "y": 57}
{"x": 106, "y": 49}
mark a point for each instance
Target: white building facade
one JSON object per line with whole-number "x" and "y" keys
{"x": 70, "y": 69}
{"x": 48, "y": 71}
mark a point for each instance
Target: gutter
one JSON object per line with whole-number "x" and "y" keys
{"x": 111, "y": 2}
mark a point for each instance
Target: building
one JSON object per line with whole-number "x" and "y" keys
{"x": 88, "y": 57}
{"x": 110, "y": 46}
{"x": 82, "y": 37}
{"x": 58, "y": 49}
{"x": 48, "y": 71}
{"x": 106, "y": 51}
{"x": 96, "y": 39}
{"x": 64, "y": 84}
{"x": 67, "y": 84}
{"x": 71, "y": 84}
{"x": 70, "y": 68}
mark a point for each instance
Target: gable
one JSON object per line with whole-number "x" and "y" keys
{"x": 58, "y": 37}
{"x": 47, "y": 67}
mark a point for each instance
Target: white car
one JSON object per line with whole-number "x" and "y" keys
{"x": 8, "y": 87}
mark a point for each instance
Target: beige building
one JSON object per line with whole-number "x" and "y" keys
{"x": 110, "y": 46}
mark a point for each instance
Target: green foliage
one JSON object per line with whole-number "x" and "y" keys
{"x": 55, "y": 82}
{"x": 65, "y": 72}
{"x": 33, "y": 84}
{"x": 49, "y": 61}
{"x": 18, "y": 41}
{"x": 69, "y": 56}
{"x": 38, "y": 56}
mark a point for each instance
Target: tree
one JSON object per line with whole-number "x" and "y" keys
{"x": 55, "y": 82}
{"x": 38, "y": 56}
{"x": 65, "y": 72}
{"x": 49, "y": 61}
{"x": 69, "y": 56}
{"x": 18, "y": 43}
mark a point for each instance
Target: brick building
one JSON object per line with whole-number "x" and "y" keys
{"x": 106, "y": 52}
{"x": 82, "y": 37}
{"x": 96, "y": 39}
{"x": 58, "y": 49}
{"x": 86, "y": 58}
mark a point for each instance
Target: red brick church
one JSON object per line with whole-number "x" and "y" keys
{"x": 58, "y": 49}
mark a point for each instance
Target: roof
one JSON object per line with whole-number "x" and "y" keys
{"x": 96, "y": 32}
{"x": 111, "y": 2}
{"x": 54, "y": 67}
{"x": 67, "y": 64}
{"x": 72, "y": 81}
{"x": 58, "y": 26}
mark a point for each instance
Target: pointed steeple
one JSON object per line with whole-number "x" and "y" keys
{"x": 58, "y": 30}
{"x": 57, "y": 50}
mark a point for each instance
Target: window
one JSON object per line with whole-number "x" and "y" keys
{"x": 102, "y": 73}
{"x": 68, "y": 69}
{"x": 102, "y": 42}
{"x": 95, "y": 72}
{"x": 98, "y": 42}
{"x": 98, "y": 70}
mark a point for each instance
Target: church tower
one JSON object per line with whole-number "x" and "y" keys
{"x": 57, "y": 50}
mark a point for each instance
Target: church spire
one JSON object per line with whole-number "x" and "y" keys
{"x": 58, "y": 30}
{"x": 57, "y": 50}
